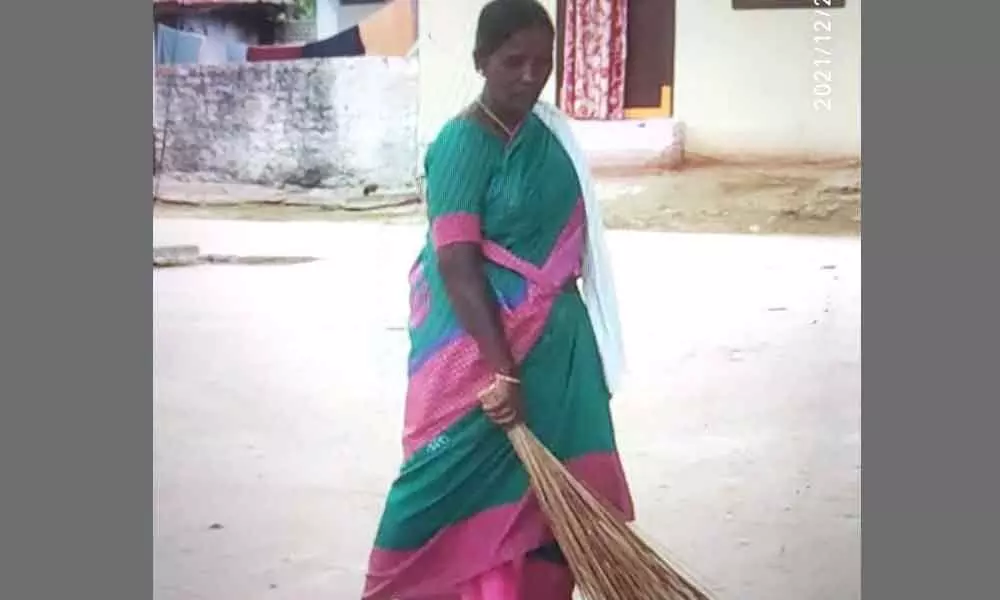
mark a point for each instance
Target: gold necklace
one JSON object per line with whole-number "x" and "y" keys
{"x": 495, "y": 119}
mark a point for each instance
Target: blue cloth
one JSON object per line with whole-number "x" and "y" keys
{"x": 175, "y": 47}
{"x": 236, "y": 52}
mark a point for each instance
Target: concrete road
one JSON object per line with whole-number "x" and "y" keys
{"x": 278, "y": 394}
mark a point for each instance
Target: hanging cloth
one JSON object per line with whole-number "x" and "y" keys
{"x": 175, "y": 47}
{"x": 271, "y": 52}
{"x": 346, "y": 43}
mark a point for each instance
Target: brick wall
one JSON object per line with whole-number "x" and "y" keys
{"x": 332, "y": 123}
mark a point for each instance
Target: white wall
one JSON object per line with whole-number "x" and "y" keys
{"x": 332, "y": 18}
{"x": 744, "y": 81}
{"x": 627, "y": 144}
{"x": 355, "y": 121}
{"x": 448, "y": 80}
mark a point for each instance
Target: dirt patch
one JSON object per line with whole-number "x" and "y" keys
{"x": 802, "y": 199}
{"x": 788, "y": 199}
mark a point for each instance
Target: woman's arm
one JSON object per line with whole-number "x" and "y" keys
{"x": 460, "y": 167}
{"x": 462, "y": 269}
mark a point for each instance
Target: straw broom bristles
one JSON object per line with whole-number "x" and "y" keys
{"x": 609, "y": 561}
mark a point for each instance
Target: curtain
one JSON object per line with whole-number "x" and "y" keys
{"x": 594, "y": 52}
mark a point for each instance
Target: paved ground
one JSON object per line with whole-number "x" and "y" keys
{"x": 278, "y": 390}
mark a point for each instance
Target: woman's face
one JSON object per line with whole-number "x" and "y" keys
{"x": 516, "y": 73}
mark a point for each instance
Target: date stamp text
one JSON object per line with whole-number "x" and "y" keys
{"x": 822, "y": 56}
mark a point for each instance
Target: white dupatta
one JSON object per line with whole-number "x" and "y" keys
{"x": 598, "y": 281}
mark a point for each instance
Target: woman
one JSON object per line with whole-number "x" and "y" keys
{"x": 495, "y": 306}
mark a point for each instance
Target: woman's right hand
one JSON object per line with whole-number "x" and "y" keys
{"x": 502, "y": 403}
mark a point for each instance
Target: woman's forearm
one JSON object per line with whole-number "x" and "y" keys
{"x": 461, "y": 267}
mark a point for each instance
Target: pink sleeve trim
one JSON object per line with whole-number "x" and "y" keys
{"x": 456, "y": 227}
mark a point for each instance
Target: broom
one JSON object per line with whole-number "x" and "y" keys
{"x": 609, "y": 560}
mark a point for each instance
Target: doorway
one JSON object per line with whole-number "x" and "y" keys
{"x": 649, "y": 62}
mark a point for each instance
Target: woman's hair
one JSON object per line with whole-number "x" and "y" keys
{"x": 501, "y": 19}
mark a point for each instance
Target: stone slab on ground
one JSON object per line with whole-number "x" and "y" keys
{"x": 174, "y": 190}
{"x": 176, "y": 256}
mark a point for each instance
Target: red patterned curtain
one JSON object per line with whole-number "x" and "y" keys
{"x": 594, "y": 49}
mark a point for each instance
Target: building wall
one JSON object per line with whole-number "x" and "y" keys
{"x": 340, "y": 123}
{"x": 448, "y": 80}
{"x": 327, "y": 13}
{"x": 744, "y": 81}
{"x": 332, "y": 18}
{"x": 630, "y": 145}
{"x": 351, "y": 15}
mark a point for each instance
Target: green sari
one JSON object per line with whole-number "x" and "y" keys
{"x": 460, "y": 506}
